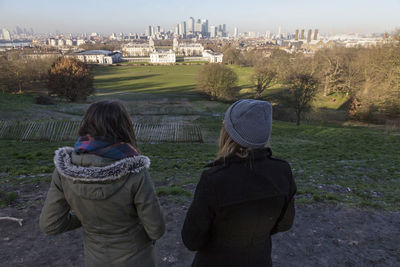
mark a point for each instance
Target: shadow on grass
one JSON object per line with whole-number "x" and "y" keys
{"x": 125, "y": 78}
{"x": 112, "y": 88}
{"x": 148, "y": 90}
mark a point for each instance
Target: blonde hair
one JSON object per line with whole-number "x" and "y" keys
{"x": 228, "y": 147}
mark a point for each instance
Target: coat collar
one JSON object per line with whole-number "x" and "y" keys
{"x": 254, "y": 154}
{"x": 97, "y": 174}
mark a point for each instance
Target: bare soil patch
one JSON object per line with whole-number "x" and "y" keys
{"x": 323, "y": 235}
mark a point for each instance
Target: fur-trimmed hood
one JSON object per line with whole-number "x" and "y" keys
{"x": 92, "y": 174}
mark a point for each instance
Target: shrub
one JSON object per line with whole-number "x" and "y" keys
{"x": 70, "y": 79}
{"x": 44, "y": 100}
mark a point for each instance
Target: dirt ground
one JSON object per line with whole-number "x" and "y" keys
{"x": 322, "y": 235}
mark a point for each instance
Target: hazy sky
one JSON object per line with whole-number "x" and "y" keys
{"x": 340, "y": 16}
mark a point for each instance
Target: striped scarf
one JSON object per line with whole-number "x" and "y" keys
{"x": 101, "y": 147}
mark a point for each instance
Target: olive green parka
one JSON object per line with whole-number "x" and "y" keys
{"x": 114, "y": 202}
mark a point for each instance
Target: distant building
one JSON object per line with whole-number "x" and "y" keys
{"x": 138, "y": 50}
{"x": 162, "y": 57}
{"x": 309, "y": 36}
{"x": 190, "y": 25}
{"x": 296, "y": 36}
{"x": 98, "y": 56}
{"x": 213, "y": 57}
{"x": 60, "y": 42}
{"x": 187, "y": 49}
{"x": 316, "y": 34}
{"x": 235, "y": 33}
{"x": 80, "y": 42}
{"x": 213, "y": 31}
{"x": 6, "y": 34}
{"x": 69, "y": 42}
{"x": 302, "y": 34}
{"x": 52, "y": 42}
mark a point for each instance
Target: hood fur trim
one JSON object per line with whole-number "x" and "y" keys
{"x": 106, "y": 174}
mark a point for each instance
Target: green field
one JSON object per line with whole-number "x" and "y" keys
{"x": 134, "y": 82}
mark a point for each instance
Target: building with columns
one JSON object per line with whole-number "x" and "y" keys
{"x": 162, "y": 57}
{"x": 138, "y": 50}
{"x": 98, "y": 56}
{"x": 213, "y": 57}
{"x": 187, "y": 49}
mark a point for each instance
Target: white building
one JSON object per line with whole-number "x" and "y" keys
{"x": 52, "y": 42}
{"x": 60, "y": 42}
{"x": 69, "y": 42}
{"x": 187, "y": 49}
{"x": 80, "y": 42}
{"x": 138, "y": 50}
{"x": 213, "y": 57}
{"x": 98, "y": 56}
{"x": 6, "y": 34}
{"x": 162, "y": 57}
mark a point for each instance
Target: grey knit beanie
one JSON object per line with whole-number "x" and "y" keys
{"x": 248, "y": 122}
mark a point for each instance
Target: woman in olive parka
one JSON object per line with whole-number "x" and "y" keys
{"x": 103, "y": 185}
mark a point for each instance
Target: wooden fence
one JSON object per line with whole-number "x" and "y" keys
{"x": 392, "y": 125}
{"x": 67, "y": 131}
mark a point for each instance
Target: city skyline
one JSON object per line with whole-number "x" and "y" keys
{"x": 253, "y": 15}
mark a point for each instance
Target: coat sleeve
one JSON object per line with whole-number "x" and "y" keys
{"x": 196, "y": 231}
{"x": 286, "y": 219}
{"x": 148, "y": 207}
{"x": 56, "y": 217}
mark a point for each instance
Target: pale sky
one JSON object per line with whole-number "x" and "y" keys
{"x": 340, "y": 16}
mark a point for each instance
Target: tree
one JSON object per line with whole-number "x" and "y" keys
{"x": 70, "y": 79}
{"x": 340, "y": 70}
{"x": 217, "y": 81}
{"x": 302, "y": 91}
{"x": 231, "y": 55}
{"x": 264, "y": 77}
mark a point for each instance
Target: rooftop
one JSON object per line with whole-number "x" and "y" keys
{"x": 96, "y": 52}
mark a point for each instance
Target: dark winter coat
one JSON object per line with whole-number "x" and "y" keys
{"x": 238, "y": 204}
{"x": 115, "y": 203}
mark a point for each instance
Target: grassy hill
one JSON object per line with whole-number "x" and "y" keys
{"x": 338, "y": 165}
{"x": 341, "y": 165}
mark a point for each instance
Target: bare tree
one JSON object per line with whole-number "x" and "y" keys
{"x": 217, "y": 81}
{"x": 264, "y": 77}
{"x": 302, "y": 91}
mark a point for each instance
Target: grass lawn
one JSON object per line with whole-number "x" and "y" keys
{"x": 135, "y": 82}
{"x": 352, "y": 166}
{"x": 138, "y": 82}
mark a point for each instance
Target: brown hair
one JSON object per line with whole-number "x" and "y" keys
{"x": 228, "y": 147}
{"x": 110, "y": 120}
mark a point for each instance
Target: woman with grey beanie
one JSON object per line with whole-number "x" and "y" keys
{"x": 245, "y": 195}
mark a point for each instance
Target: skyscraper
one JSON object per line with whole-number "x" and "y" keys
{"x": 235, "y": 33}
{"x": 197, "y": 26}
{"x": 190, "y": 25}
{"x": 184, "y": 30}
{"x": 213, "y": 31}
{"x": 316, "y": 34}
{"x": 309, "y": 35}
{"x": 296, "y": 36}
{"x": 148, "y": 31}
{"x": 302, "y": 34}
{"x": 204, "y": 26}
